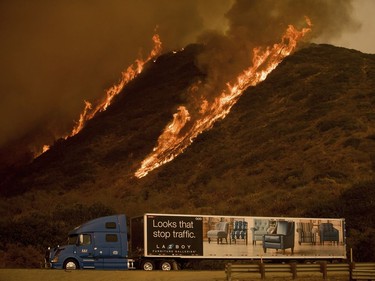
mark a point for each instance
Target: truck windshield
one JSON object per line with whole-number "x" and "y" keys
{"x": 72, "y": 239}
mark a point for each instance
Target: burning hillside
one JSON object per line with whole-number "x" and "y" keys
{"x": 128, "y": 75}
{"x": 183, "y": 129}
{"x": 245, "y": 25}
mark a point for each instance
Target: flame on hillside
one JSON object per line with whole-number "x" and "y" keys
{"x": 181, "y": 131}
{"x": 129, "y": 74}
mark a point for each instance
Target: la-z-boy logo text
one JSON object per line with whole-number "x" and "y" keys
{"x": 174, "y": 249}
{"x": 172, "y": 246}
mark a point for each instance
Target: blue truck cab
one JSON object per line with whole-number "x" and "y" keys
{"x": 101, "y": 243}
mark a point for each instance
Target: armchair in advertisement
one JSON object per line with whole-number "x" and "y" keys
{"x": 219, "y": 233}
{"x": 282, "y": 239}
{"x": 328, "y": 233}
{"x": 260, "y": 229}
{"x": 239, "y": 231}
{"x": 306, "y": 233}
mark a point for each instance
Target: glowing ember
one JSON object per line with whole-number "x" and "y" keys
{"x": 172, "y": 141}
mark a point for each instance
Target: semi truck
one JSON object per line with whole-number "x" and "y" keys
{"x": 170, "y": 241}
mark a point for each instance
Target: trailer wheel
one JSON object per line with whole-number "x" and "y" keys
{"x": 148, "y": 265}
{"x": 70, "y": 264}
{"x": 166, "y": 265}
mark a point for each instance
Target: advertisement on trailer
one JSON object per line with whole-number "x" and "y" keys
{"x": 174, "y": 235}
{"x": 244, "y": 237}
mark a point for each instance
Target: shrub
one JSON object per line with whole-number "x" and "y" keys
{"x": 353, "y": 142}
{"x": 363, "y": 244}
{"x": 20, "y": 256}
{"x": 24, "y": 240}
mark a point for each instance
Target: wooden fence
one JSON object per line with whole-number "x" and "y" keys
{"x": 354, "y": 271}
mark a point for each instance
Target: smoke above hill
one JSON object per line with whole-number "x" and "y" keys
{"x": 261, "y": 23}
{"x": 254, "y": 23}
{"x": 57, "y": 54}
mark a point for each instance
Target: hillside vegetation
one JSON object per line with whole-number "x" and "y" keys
{"x": 301, "y": 143}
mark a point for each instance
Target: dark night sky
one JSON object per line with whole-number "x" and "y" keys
{"x": 56, "y": 54}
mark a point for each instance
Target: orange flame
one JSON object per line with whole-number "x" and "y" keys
{"x": 126, "y": 76}
{"x": 172, "y": 142}
{"x": 131, "y": 72}
{"x": 45, "y": 148}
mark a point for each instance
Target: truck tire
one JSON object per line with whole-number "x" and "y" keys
{"x": 148, "y": 265}
{"x": 70, "y": 264}
{"x": 166, "y": 265}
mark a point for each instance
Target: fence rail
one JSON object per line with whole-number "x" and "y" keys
{"x": 355, "y": 271}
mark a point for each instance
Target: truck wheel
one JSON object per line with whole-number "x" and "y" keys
{"x": 166, "y": 265}
{"x": 148, "y": 265}
{"x": 70, "y": 264}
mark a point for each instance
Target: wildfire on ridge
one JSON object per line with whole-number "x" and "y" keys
{"x": 172, "y": 142}
{"x": 129, "y": 74}
{"x": 126, "y": 76}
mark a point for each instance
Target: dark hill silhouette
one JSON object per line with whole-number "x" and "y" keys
{"x": 300, "y": 143}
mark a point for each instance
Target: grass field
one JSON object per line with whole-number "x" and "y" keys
{"x": 101, "y": 275}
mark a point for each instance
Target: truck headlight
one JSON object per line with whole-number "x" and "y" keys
{"x": 56, "y": 255}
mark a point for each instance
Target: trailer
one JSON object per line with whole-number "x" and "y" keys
{"x": 170, "y": 241}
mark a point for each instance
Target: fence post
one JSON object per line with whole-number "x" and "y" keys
{"x": 262, "y": 270}
{"x": 229, "y": 271}
{"x": 323, "y": 269}
{"x": 351, "y": 267}
{"x": 293, "y": 267}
